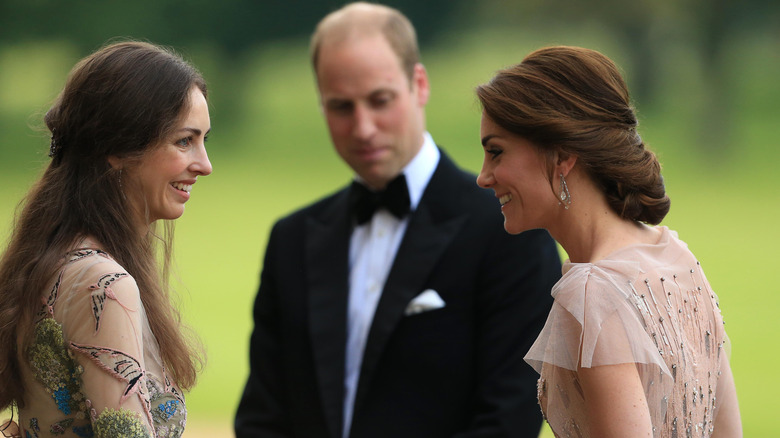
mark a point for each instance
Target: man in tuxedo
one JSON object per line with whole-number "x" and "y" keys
{"x": 398, "y": 306}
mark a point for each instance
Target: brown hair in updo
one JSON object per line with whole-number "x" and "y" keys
{"x": 574, "y": 101}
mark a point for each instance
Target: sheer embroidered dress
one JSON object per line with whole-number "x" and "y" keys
{"x": 650, "y": 305}
{"x": 94, "y": 369}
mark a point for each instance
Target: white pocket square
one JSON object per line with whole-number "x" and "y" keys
{"x": 429, "y": 299}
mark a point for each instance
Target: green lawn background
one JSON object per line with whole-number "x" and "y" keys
{"x": 271, "y": 154}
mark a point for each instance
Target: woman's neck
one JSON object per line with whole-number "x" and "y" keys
{"x": 88, "y": 242}
{"x": 590, "y": 230}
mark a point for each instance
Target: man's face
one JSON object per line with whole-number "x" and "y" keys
{"x": 375, "y": 115}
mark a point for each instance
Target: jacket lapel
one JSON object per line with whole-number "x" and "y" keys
{"x": 431, "y": 228}
{"x": 327, "y": 255}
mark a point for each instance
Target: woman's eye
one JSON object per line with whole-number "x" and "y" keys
{"x": 493, "y": 152}
{"x": 184, "y": 142}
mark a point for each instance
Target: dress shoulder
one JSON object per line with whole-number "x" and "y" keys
{"x": 90, "y": 283}
{"x": 93, "y": 327}
{"x": 594, "y": 320}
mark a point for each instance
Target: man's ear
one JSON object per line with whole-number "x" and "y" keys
{"x": 420, "y": 79}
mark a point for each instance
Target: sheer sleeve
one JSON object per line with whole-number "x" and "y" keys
{"x": 594, "y": 321}
{"x": 651, "y": 306}
{"x": 103, "y": 325}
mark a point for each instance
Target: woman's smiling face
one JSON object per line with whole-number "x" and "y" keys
{"x": 163, "y": 178}
{"x": 517, "y": 171}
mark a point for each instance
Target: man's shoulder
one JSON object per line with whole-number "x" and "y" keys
{"x": 461, "y": 186}
{"x": 316, "y": 208}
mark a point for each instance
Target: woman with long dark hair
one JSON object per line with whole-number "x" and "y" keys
{"x": 90, "y": 342}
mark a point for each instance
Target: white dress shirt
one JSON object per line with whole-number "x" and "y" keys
{"x": 372, "y": 250}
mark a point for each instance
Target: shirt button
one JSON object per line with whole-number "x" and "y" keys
{"x": 373, "y": 288}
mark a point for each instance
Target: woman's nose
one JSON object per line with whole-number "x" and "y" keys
{"x": 202, "y": 165}
{"x": 485, "y": 178}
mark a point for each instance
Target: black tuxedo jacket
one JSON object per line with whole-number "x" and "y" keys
{"x": 454, "y": 371}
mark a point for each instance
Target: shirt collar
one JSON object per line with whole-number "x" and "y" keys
{"x": 420, "y": 170}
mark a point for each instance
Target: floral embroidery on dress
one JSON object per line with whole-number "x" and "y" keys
{"x": 34, "y": 428}
{"x": 84, "y": 431}
{"x": 119, "y": 423}
{"x": 53, "y": 366}
{"x": 168, "y": 410}
{"x": 52, "y": 360}
{"x": 60, "y": 427}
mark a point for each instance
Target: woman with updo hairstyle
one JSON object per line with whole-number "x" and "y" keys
{"x": 90, "y": 343}
{"x": 634, "y": 343}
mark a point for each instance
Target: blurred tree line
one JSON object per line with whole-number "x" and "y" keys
{"x": 644, "y": 29}
{"x": 228, "y": 31}
{"x": 232, "y": 25}
{"x": 648, "y": 30}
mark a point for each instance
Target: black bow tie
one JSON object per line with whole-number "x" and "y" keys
{"x": 395, "y": 198}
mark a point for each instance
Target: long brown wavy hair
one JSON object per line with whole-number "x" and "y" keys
{"x": 120, "y": 101}
{"x": 574, "y": 101}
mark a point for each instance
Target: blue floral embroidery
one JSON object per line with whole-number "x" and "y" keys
{"x": 169, "y": 412}
{"x": 54, "y": 368}
{"x": 168, "y": 408}
{"x": 84, "y": 431}
{"x": 62, "y": 397}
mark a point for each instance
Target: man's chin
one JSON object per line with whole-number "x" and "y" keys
{"x": 377, "y": 180}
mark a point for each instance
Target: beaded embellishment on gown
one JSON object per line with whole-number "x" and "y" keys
{"x": 650, "y": 305}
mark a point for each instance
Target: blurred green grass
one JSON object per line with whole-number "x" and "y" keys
{"x": 271, "y": 154}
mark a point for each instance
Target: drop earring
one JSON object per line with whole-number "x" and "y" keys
{"x": 565, "y": 196}
{"x": 121, "y": 190}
